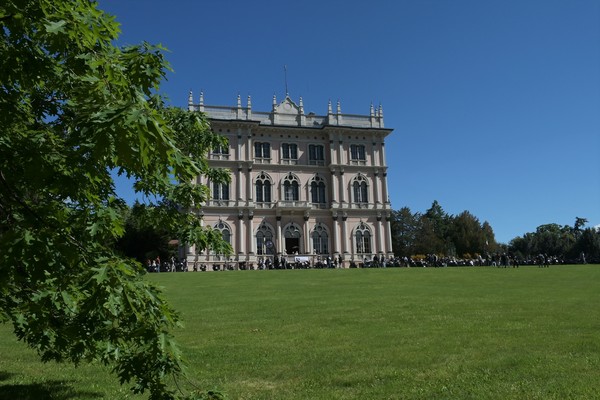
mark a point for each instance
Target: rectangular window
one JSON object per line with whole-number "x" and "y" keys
{"x": 316, "y": 154}
{"x": 289, "y": 153}
{"x": 220, "y": 191}
{"x": 262, "y": 151}
{"x": 220, "y": 152}
{"x": 357, "y": 152}
{"x": 224, "y": 150}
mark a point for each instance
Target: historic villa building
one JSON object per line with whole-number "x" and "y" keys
{"x": 303, "y": 186}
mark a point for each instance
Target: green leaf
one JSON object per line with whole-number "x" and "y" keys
{"x": 56, "y": 27}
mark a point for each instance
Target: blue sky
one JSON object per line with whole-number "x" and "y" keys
{"x": 495, "y": 105}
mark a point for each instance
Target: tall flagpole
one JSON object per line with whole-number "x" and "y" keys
{"x": 285, "y": 74}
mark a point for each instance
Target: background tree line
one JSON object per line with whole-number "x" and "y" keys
{"x": 431, "y": 232}
{"x": 464, "y": 236}
{"x": 437, "y": 232}
{"x": 570, "y": 243}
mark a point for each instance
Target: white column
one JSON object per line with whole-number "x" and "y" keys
{"x": 345, "y": 247}
{"x": 307, "y": 249}
{"x": 249, "y": 191}
{"x": 332, "y": 155}
{"x": 388, "y": 236}
{"x": 384, "y": 187}
{"x": 239, "y": 177}
{"x": 342, "y": 188}
{"x": 250, "y": 235}
{"x": 240, "y": 234}
{"x": 335, "y": 236}
{"x": 279, "y": 237}
{"x": 382, "y": 154}
{"x": 376, "y": 188}
{"x": 238, "y": 147}
{"x": 249, "y": 159}
{"x": 191, "y": 249}
{"x": 374, "y": 156}
{"x": 380, "y": 234}
{"x": 333, "y": 187}
{"x": 249, "y": 146}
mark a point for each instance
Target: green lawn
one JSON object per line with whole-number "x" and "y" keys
{"x": 419, "y": 333}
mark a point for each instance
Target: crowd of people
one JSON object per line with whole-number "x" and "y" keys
{"x": 171, "y": 265}
{"x": 280, "y": 262}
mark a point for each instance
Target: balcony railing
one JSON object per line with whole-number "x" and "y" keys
{"x": 220, "y": 203}
{"x": 292, "y": 204}
{"x": 264, "y": 204}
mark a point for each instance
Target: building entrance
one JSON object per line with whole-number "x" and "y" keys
{"x": 292, "y": 245}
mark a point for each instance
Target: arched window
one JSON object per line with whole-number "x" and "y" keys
{"x": 263, "y": 188}
{"x": 225, "y": 231}
{"x": 320, "y": 239}
{"x": 291, "y": 190}
{"x": 362, "y": 234}
{"x": 360, "y": 189}
{"x": 317, "y": 190}
{"x": 264, "y": 240}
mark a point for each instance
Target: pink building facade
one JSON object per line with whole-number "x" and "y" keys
{"x": 303, "y": 186}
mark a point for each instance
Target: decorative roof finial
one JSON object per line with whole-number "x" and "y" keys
{"x": 190, "y": 99}
{"x": 372, "y": 111}
{"x": 339, "y": 107}
{"x": 274, "y": 99}
{"x": 201, "y": 98}
{"x": 329, "y": 110}
{"x": 239, "y": 101}
{"x": 249, "y": 102}
{"x": 301, "y": 106}
{"x": 380, "y": 111}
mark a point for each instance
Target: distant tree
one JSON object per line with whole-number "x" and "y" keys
{"x": 588, "y": 244}
{"x": 404, "y": 227}
{"x": 553, "y": 239}
{"x": 467, "y": 234}
{"x": 522, "y": 246}
{"x": 74, "y": 108}
{"x": 557, "y": 240}
{"x": 433, "y": 231}
{"x": 142, "y": 239}
{"x": 436, "y": 232}
{"x": 490, "y": 238}
{"x": 579, "y": 223}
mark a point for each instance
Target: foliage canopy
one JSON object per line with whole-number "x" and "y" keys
{"x": 437, "y": 232}
{"x": 74, "y": 110}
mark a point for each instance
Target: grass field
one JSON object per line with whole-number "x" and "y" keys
{"x": 418, "y": 333}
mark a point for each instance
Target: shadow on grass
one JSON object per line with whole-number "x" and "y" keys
{"x": 51, "y": 390}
